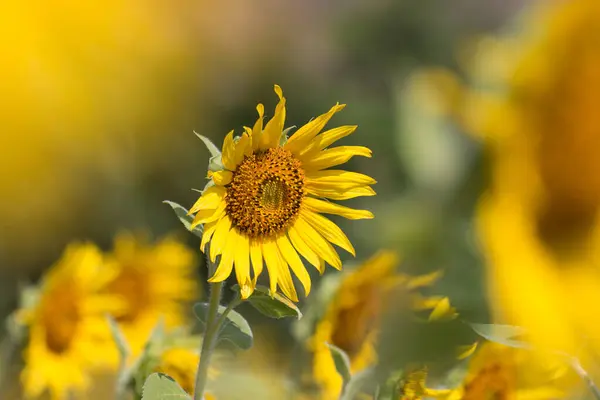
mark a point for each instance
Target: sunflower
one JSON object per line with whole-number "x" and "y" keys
{"x": 351, "y": 319}
{"x": 181, "y": 363}
{"x": 154, "y": 280}
{"x": 68, "y": 333}
{"x": 540, "y": 221}
{"x": 265, "y": 199}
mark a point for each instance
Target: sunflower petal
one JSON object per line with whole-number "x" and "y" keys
{"x": 226, "y": 263}
{"x": 272, "y": 132}
{"x": 304, "y": 249}
{"x": 241, "y": 148}
{"x": 331, "y": 136}
{"x": 336, "y": 194}
{"x": 256, "y": 258}
{"x": 317, "y": 243}
{"x": 222, "y": 177}
{"x": 206, "y": 216}
{"x": 326, "y": 207}
{"x": 276, "y": 263}
{"x": 228, "y": 155}
{"x": 220, "y": 236}
{"x": 258, "y": 127}
{"x": 210, "y": 199}
{"x": 291, "y": 257}
{"x": 305, "y": 134}
{"x": 335, "y": 156}
{"x": 338, "y": 179}
{"x": 209, "y": 230}
{"x": 242, "y": 264}
{"x": 328, "y": 229}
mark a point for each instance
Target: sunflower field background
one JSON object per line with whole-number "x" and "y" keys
{"x": 407, "y": 208}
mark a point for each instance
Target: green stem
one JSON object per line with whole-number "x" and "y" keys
{"x": 584, "y": 375}
{"x": 211, "y": 331}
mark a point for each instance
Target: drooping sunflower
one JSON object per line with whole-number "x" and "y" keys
{"x": 68, "y": 333}
{"x": 154, "y": 280}
{"x": 267, "y": 196}
{"x": 352, "y": 318}
{"x": 540, "y": 220}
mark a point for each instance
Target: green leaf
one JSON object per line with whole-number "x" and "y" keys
{"x": 503, "y": 334}
{"x": 355, "y": 386}
{"x": 235, "y": 328}
{"x": 214, "y": 150}
{"x": 276, "y": 306}
{"x": 341, "y": 361}
{"x": 118, "y": 337}
{"x": 163, "y": 387}
{"x": 185, "y": 219}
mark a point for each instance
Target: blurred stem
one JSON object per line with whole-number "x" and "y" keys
{"x": 585, "y": 376}
{"x": 211, "y": 333}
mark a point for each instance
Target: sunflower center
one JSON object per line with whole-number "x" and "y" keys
{"x": 60, "y": 316}
{"x": 131, "y": 284}
{"x": 265, "y": 193}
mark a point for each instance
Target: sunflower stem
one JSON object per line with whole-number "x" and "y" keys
{"x": 211, "y": 333}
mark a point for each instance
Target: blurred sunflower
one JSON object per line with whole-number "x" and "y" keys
{"x": 351, "y": 319}
{"x": 68, "y": 333}
{"x": 413, "y": 386}
{"x": 154, "y": 281}
{"x": 181, "y": 363}
{"x": 266, "y": 196}
{"x": 539, "y": 222}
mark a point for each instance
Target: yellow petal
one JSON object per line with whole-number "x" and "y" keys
{"x": 206, "y": 216}
{"x": 291, "y": 257}
{"x": 272, "y": 132}
{"x": 258, "y": 127}
{"x": 317, "y": 243}
{"x": 337, "y": 194}
{"x": 335, "y": 156}
{"x": 305, "y": 134}
{"x": 337, "y": 179}
{"x": 210, "y": 199}
{"x": 423, "y": 280}
{"x": 227, "y": 157}
{"x": 241, "y": 148}
{"x": 209, "y": 230}
{"x": 256, "y": 258}
{"x": 321, "y": 206}
{"x": 226, "y": 263}
{"x": 463, "y": 352}
{"x": 242, "y": 265}
{"x": 329, "y": 137}
{"x": 219, "y": 237}
{"x": 222, "y": 177}
{"x": 328, "y": 230}
{"x": 304, "y": 249}
{"x": 278, "y": 267}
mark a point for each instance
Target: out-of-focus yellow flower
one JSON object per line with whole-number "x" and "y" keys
{"x": 181, "y": 364}
{"x": 500, "y": 372}
{"x": 540, "y": 222}
{"x": 68, "y": 332}
{"x": 351, "y": 320}
{"x": 267, "y": 197}
{"x": 155, "y": 281}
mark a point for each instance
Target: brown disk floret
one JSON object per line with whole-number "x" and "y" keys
{"x": 265, "y": 193}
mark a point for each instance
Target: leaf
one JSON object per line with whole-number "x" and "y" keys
{"x": 235, "y": 327}
{"x": 162, "y": 387}
{"x": 214, "y": 150}
{"x": 503, "y": 334}
{"x": 342, "y": 363}
{"x": 355, "y": 386}
{"x": 118, "y": 337}
{"x": 276, "y": 306}
{"x": 185, "y": 219}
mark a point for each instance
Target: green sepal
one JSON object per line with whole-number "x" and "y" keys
{"x": 185, "y": 218}
{"x": 503, "y": 334}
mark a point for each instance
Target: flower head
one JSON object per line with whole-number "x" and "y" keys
{"x": 265, "y": 199}
{"x": 351, "y": 319}
{"x": 154, "y": 280}
{"x": 68, "y": 333}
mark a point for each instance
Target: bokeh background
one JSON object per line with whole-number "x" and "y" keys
{"x": 100, "y": 102}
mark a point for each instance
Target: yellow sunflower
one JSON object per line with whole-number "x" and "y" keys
{"x": 181, "y": 363}
{"x": 267, "y": 195}
{"x": 540, "y": 222}
{"x": 351, "y": 320}
{"x": 154, "y": 281}
{"x": 68, "y": 332}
